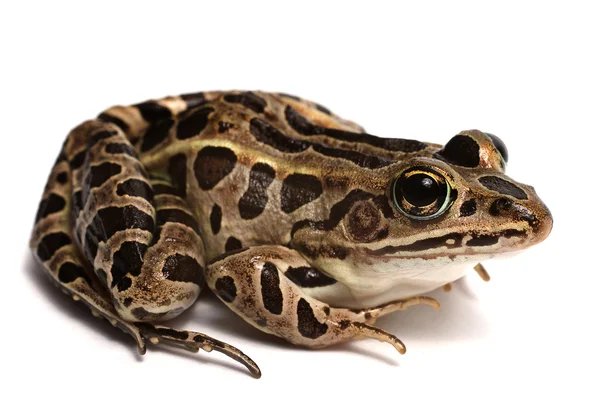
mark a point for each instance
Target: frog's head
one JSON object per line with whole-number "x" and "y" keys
{"x": 431, "y": 217}
{"x": 460, "y": 201}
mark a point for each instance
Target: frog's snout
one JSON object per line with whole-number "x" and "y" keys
{"x": 532, "y": 211}
{"x": 544, "y": 217}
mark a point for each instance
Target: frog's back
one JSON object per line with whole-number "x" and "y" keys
{"x": 253, "y": 163}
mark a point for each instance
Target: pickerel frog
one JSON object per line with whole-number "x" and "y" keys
{"x": 303, "y": 224}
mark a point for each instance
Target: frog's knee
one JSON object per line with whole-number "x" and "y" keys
{"x": 163, "y": 290}
{"x": 160, "y": 303}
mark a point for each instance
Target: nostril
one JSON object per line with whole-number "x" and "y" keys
{"x": 500, "y": 206}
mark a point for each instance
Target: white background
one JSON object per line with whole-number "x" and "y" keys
{"x": 527, "y": 72}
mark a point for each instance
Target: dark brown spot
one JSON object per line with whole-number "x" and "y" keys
{"x": 254, "y": 200}
{"x": 110, "y": 220}
{"x": 101, "y": 173}
{"x": 97, "y": 137}
{"x": 51, "y": 243}
{"x": 152, "y": 111}
{"x": 193, "y": 100}
{"x": 124, "y": 283}
{"x": 483, "y": 240}
{"x": 248, "y": 100}
{"x": 503, "y": 186}
{"x": 215, "y": 219}
{"x": 193, "y": 123}
{"x": 178, "y": 172}
{"x": 467, "y": 208}
{"x": 212, "y": 165}
{"x": 289, "y": 96}
{"x": 360, "y": 159}
{"x": 50, "y": 205}
{"x": 449, "y": 241}
{"x": 182, "y": 268}
{"x": 270, "y": 290}
{"x": 308, "y": 277}
{"x": 301, "y": 125}
{"x": 225, "y": 288}
{"x": 271, "y": 136}
{"x": 323, "y": 109}
{"x": 308, "y": 325}
{"x": 364, "y": 222}
{"x": 114, "y": 120}
{"x": 298, "y": 190}
{"x": 156, "y": 133}
{"x": 173, "y": 333}
{"x": 69, "y": 272}
{"x": 461, "y": 150}
{"x": 232, "y": 244}
{"x": 136, "y": 188}
{"x": 500, "y": 206}
{"x": 267, "y": 134}
{"x": 77, "y": 160}
{"x": 128, "y": 259}
{"x": 62, "y": 178}
{"x": 490, "y": 239}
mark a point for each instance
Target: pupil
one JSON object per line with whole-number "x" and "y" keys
{"x": 420, "y": 190}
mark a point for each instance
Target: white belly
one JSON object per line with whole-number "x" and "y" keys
{"x": 373, "y": 285}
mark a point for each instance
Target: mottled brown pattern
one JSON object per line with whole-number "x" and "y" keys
{"x": 144, "y": 195}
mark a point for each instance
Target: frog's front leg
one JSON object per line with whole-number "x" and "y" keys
{"x": 254, "y": 284}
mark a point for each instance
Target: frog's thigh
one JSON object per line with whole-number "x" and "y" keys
{"x": 253, "y": 284}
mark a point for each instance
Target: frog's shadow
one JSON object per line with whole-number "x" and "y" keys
{"x": 459, "y": 318}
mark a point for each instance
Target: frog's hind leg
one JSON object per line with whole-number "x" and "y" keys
{"x": 102, "y": 220}
{"x": 195, "y": 341}
{"x": 255, "y": 284}
{"x": 55, "y": 248}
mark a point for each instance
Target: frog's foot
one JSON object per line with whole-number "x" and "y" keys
{"x": 194, "y": 341}
{"x": 82, "y": 289}
{"x": 483, "y": 274}
{"x": 370, "y": 315}
{"x": 257, "y": 285}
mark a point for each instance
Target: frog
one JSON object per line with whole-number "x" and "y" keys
{"x": 302, "y": 223}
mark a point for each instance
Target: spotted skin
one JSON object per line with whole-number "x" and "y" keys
{"x": 283, "y": 208}
{"x": 267, "y": 299}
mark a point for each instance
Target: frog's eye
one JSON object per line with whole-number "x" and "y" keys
{"x": 500, "y": 146}
{"x": 422, "y": 193}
